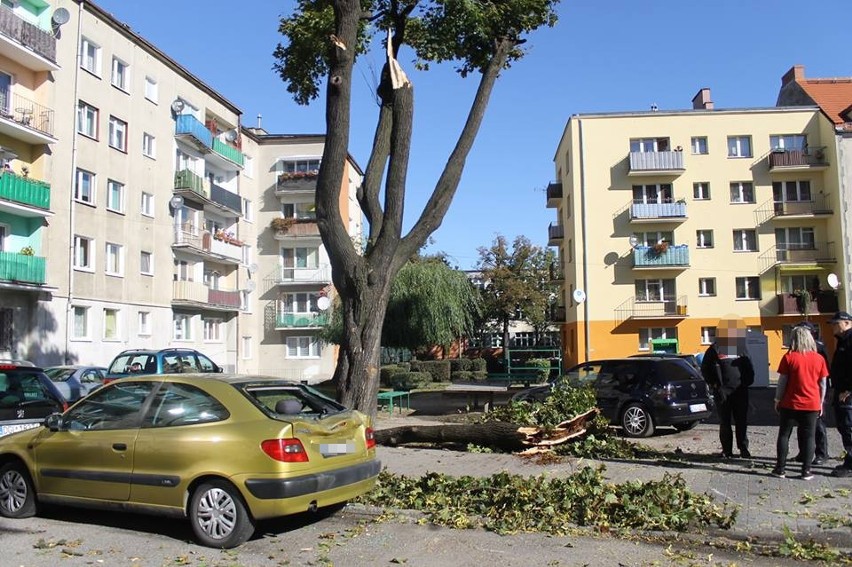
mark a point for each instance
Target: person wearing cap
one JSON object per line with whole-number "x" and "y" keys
{"x": 841, "y": 380}
{"x": 821, "y": 435}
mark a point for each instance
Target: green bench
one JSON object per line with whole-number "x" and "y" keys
{"x": 389, "y": 398}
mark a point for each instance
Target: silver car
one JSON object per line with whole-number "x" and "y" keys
{"x": 76, "y": 381}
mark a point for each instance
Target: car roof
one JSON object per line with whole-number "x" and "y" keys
{"x": 155, "y": 350}
{"x": 197, "y": 377}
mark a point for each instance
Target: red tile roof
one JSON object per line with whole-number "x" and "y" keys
{"x": 834, "y": 96}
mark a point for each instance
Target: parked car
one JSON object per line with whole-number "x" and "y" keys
{"x": 640, "y": 393}
{"x": 165, "y": 361}
{"x": 74, "y": 382}
{"x": 223, "y": 450}
{"x": 27, "y": 396}
{"x": 690, "y": 358}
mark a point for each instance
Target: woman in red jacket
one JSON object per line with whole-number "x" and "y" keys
{"x": 798, "y": 399}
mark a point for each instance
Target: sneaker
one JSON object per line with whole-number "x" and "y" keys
{"x": 745, "y": 454}
{"x": 807, "y": 475}
{"x": 841, "y": 472}
{"x": 818, "y": 461}
{"x": 778, "y": 474}
{"x": 725, "y": 456}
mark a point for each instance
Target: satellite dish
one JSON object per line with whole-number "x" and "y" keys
{"x": 178, "y": 105}
{"x": 833, "y": 281}
{"x": 250, "y": 286}
{"x": 176, "y": 202}
{"x": 231, "y": 135}
{"x": 579, "y": 295}
{"x": 323, "y": 303}
{"x": 634, "y": 240}
{"x": 252, "y": 268}
{"x": 60, "y": 17}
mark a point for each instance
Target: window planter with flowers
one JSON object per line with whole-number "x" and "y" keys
{"x": 803, "y": 301}
{"x": 227, "y": 238}
{"x": 660, "y": 248}
{"x": 297, "y": 179}
{"x": 281, "y": 225}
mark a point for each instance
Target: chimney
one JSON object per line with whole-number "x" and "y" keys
{"x": 702, "y": 101}
{"x": 259, "y": 119}
{"x": 796, "y": 73}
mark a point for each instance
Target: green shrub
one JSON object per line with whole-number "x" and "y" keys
{"x": 387, "y": 372}
{"x": 478, "y": 364}
{"x": 404, "y": 381}
{"x": 438, "y": 369}
{"x": 460, "y": 364}
{"x": 462, "y": 376}
{"x": 480, "y": 375}
{"x": 542, "y": 366}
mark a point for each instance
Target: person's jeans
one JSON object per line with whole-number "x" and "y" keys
{"x": 733, "y": 409}
{"x": 805, "y": 422}
{"x": 821, "y": 448}
{"x": 843, "y": 416}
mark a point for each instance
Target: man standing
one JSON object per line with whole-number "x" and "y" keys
{"x": 841, "y": 379}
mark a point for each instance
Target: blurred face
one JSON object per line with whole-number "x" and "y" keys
{"x": 840, "y": 327}
{"x": 730, "y": 336}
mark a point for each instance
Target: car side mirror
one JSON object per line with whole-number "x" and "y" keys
{"x": 219, "y": 370}
{"x": 54, "y": 422}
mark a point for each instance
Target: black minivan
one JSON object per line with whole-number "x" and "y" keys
{"x": 27, "y": 396}
{"x": 639, "y": 394}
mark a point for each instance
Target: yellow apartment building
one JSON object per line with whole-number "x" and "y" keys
{"x": 667, "y": 221}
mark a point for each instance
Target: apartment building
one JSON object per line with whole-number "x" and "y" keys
{"x": 667, "y": 221}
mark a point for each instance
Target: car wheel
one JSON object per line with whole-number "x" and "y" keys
{"x": 636, "y": 421}
{"x": 17, "y": 495}
{"x": 218, "y": 515}
{"x": 686, "y": 425}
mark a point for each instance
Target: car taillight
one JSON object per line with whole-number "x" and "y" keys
{"x": 371, "y": 438}
{"x": 285, "y": 450}
{"x": 665, "y": 392}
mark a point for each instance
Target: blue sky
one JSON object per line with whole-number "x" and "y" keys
{"x": 603, "y": 56}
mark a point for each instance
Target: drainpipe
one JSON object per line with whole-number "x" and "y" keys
{"x": 586, "y": 329}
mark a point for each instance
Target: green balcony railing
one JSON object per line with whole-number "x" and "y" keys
{"x": 228, "y": 152}
{"x": 300, "y": 320}
{"x": 24, "y": 190}
{"x": 185, "y": 179}
{"x": 21, "y": 268}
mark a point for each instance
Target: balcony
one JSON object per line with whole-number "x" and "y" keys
{"x": 300, "y": 320}
{"x": 820, "y": 302}
{"x": 554, "y": 194}
{"x": 25, "y": 119}
{"x": 191, "y": 131}
{"x": 189, "y": 292}
{"x": 657, "y": 212}
{"x": 669, "y": 307}
{"x": 300, "y": 228}
{"x": 224, "y": 247}
{"x": 230, "y": 156}
{"x": 224, "y": 199}
{"x": 319, "y": 275}
{"x": 818, "y": 206}
{"x": 555, "y": 234}
{"x": 26, "y": 43}
{"x": 652, "y": 257}
{"x": 557, "y": 271}
{"x": 22, "y": 268}
{"x": 784, "y": 161}
{"x": 297, "y": 182}
{"x": 655, "y": 163}
{"x": 228, "y": 300}
{"x": 24, "y": 195}
{"x": 187, "y": 181}
{"x": 811, "y": 254}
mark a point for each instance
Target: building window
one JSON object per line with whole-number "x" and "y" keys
{"x": 302, "y": 211}
{"x": 111, "y": 324}
{"x": 708, "y": 335}
{"x": 149, "y": 145}
{"x": 704, "y": 239}
{"x": 5, "y": 230}
{"x": 748, "y": 287}
{"x": 653, "y": 237}
{"x": 87, "y": 120}
{"x": 248, "y": 167}
{"x": 789, "y": 284}
{"x": 114, "y": 259}
{"x": 117, "y": 134}
{"x": 791, "y": 191}
{"x": 182, "y": 327}
{"x": 298, "y": 166}
{"x": 151, "y": 89}
{"x": 699, "y": 145}
{"x": 788, "y": 142}
{"x": 120, "y": 74}
{"x": 739, "y": 146}
{"x": 212, "y": 329}
{"x": 649, "y": 145}
{"x": 652, "y": 193}
{"x": 248, "y": 210}
{"x": 303, "y": 347}
{"x": 115, "y": 196}
{"x": 742, "y": 192}
{"x": 245, "y": 350}
{"x": 84, "y": 251}
{"x": 300, "y": 303}
{"x": 146, "y": 265}
{"x": 144, "y": 323}
{"x": 84, "y": 189}
{"x": 654, "y": 290}
{"x": 701, "y": 191}
{"x": 645, "y": 335}
{"x": 795, "y": 238}
{"x": 745, "y": 240}
{"x": 91, "y": 56}
{"x": 147, "y": 207}
{"x": 299, "y": 257}
{"x": 81, "y": 322}
{"x": 707, "y": 287}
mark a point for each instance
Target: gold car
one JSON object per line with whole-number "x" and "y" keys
{"x": 223, "y": 450}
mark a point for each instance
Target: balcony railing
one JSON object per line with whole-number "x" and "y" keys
{"x": 640, "y": 211}
{"x": 812, "y": 253}
{"x": 820, "y": 302}
{"x": 190, "y": 129}
{"x": 555, "y": 233}
{"x": 554, "y": 194}
{"x": 223, "y": 298}
{"x": 673, "y": 256}
{"x": 227, "y": 199}
{"x": 24, "y": 190}
{"x": 28, "y": 35}
{"x": 194, "y": 292}
{"x": 787, "y": 160}
{"x": 818, "y": 205}
{"x": 227, "y": 249}
{"x": 670, "y": 306}
{"x": 26, "y": 112}
{"x": 294, "y": 183}
{"x": 187, "y": 180}
{"x": 656, "y": 163}
{"x": 319, "y": 275}
{"x": 228, "y": 152}
{"x": 300, "y": 320}
{"x": 21, "y": 268}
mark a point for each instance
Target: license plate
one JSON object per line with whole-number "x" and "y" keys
{"x": 337, "y": 448}
{"x": 697, "y": 407}
{"x": 9, "y": 429}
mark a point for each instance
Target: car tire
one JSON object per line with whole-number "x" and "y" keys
{"x": 17, "y": 495}
{"x": 686, "y": 425}
{"x": 219, "y": 516}
{"x": 637, "y": 421}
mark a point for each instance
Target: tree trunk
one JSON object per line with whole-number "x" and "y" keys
{"x": 497, "y": 434}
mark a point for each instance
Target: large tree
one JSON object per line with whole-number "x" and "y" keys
{"x": 323, "y": 39}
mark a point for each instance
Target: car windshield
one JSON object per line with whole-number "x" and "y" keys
{"x": 131, "y": 363}
{"x": 59, "y": 374}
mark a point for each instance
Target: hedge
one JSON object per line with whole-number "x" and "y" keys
{"x": 460, "y": 364}
{"x": 478, "y": 364}
{"x": 438, "y": 369}
{"x": 462, "y": 376}
{"x": 404, "y": 381}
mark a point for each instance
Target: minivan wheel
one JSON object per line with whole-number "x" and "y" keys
{"x": 17, "y": 496}
{"x": 218, "y": 515}
{"x": 636, "y": 421}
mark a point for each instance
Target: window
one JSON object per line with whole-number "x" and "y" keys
{"x": 645, "y": 336}
{"x": 303, "y": 347}
{"x": 708, "y": 335}
{"x": 183, "y": 271}
{"x": 300, "y": 166}
{"x": 144, "y": 323}
{"x": 246, "y": 348}
{"x": 300, "y": 303}
{"x": 110, "y": 408}
{"x": 745, "y": 240}
{"x": 305, "y": 211}
{"x": 114, "y": 259}
{"x": 652, "y": 193}
{"x": 791, "y": 191}
{"x": 115, "y": 196}
{"x": 248, "y": 167}
{"x": 91, "y": 56}
{"x": 87, "y": 120}
{"x": 699, "y": 145}
{"x": 5, "y": 230}
{"x": 748, "y": 287}
{"x": 298, "y": 258}
{"x": 795, "y": 238}
{"x": 81, "y": 322}
{"x": 147, "y": 207}
{"x": 654, "y": 290}
{"x": 84, "y": 253}
{"x": 149, "y": 145}
{"x": 739, "y": 146}
{"x": 182, "y": 327}
{"x": 649, "y": 145}
{"x": 701, "y": 191}
{"x": 120, "y": 74}
{"x": 789, "y": 284}
{"x": 181, "y": 404}
{"x": 117, "y": 134}
{"x": 111, "y": 324}
{"x": 704, "y": 239}
{"x": 151, "y": 89}
{"x": 248, "y": 210}
{"x": 146, "y": 266}
{"x": 707, "y": 287}
{"x": 211, "y": 329}
{"x": 84, "y": 190}
{"x": 742, "y": 192}
{"x": 788, "y": 142}
{"x": 6, "y": 93}
{"x": 653, "y": 237}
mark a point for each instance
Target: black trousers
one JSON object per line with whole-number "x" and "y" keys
{"x": 805, "y": 423}
{"x": 733, "y": 410}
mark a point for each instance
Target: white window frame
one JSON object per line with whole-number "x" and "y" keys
{"x": 114, "y": 259}
{"x": 303, "y": 347}
{"x": 742, "y": 192}
{"x": 5, "y": 231}
{"x": 90, "y": 58}
{"x": 84, "y": 188}
{"x": 739, "y": 147}
{"x": 699, "y": 145}
{"x": 120, "y": 74}
{"x": 146, "y": 205}
{"x": 646, "y": 334}
{"x": 701, "y": 191}
{"x": 745, "y": 240}
{"x": 151, "y": 89}
{"x": 84, "y": 248}
{"x": 799, "y": 189}
{"x": 707, "y": 287}
{"x": 144, "y": 323}
{"x": 117, "y": 134}
{"x": 298, "y": 165}
{"x": 708, "y": 335}
{"x": 248, "y": 210}
{"x": 87, "y": 120}
{"x": 143, "y": 254}
{"x": 650, "y": 145}
{"x": 245, "y": 348}
{"x": 788, "y": 142}
{"x": 182, "y": 327}
{"x": 115, "y": 188}
{"x": 704, "y": 238}
{"x": 747, "y": 288}
{"x": 149, "y": 145}
{"x": 80, "y": 315}
{"x": 117, "y": 333}
{"x": 212, "y": 330}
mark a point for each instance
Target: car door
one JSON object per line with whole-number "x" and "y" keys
{"x": 615, "y": 383}
{"x": 91, "y": 456}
